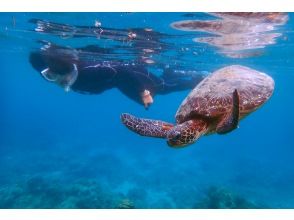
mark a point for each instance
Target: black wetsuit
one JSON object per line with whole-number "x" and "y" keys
{"x": 96, "y": 76}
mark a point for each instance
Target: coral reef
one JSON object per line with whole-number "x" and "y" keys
{"x": 38, "y": 192}
{"x": 126, "y": 204}
{"x": 138, "y": 195}
{"x": 100, "y": 179}
{"x": 220, "y": 198}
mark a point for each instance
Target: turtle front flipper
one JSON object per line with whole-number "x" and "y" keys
{"x": 146, "y": 127}
{"x": 230, "y": 121}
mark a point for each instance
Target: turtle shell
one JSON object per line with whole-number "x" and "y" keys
{"x": 212, "y": 97}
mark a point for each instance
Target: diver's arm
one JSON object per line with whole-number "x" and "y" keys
{"x": 137, "y": 83}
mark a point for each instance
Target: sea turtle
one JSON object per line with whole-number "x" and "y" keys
{"x": 216, "y": 104}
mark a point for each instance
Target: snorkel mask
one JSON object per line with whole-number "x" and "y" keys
{"x": 63, "y": 80}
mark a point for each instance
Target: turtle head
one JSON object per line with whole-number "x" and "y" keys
{"x": 186, "y": 133}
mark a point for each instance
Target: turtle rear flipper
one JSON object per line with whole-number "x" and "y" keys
{"x": 146, "y": 127}
{"x": 231, "y": 120}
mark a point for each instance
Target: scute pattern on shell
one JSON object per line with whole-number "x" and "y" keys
{"x": 213, "y": 96}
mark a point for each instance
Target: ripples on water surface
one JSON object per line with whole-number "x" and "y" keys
{"x": 69, "y": 150}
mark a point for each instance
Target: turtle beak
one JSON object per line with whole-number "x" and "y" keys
{"x": 174, "y": 140}
{"x": 175, "y": 144}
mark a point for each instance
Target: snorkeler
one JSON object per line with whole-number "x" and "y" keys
{"x": 74, "y": 69}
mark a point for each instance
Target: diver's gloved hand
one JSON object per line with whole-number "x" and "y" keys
{"x": 147, "y": 98}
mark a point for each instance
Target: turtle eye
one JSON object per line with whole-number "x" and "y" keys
{"x": 177, "y": 135}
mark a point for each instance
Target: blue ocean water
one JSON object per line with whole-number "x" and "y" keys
{"x": 70, "y": 150}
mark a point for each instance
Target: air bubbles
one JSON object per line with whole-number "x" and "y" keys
{"x": 97, "y": 23}
{"x": 148, "y": 29}
{"x": 148, "y": 60}
{"x": 148, "y": 50}
{"x": 132, "y": 35}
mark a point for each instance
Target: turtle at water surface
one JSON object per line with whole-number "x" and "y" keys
{"x": 215, "y": 105}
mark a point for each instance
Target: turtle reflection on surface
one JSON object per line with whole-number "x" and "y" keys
{"x": 239, "y": 34}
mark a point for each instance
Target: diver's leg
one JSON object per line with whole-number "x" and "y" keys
{"x": 173, "y": 82}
